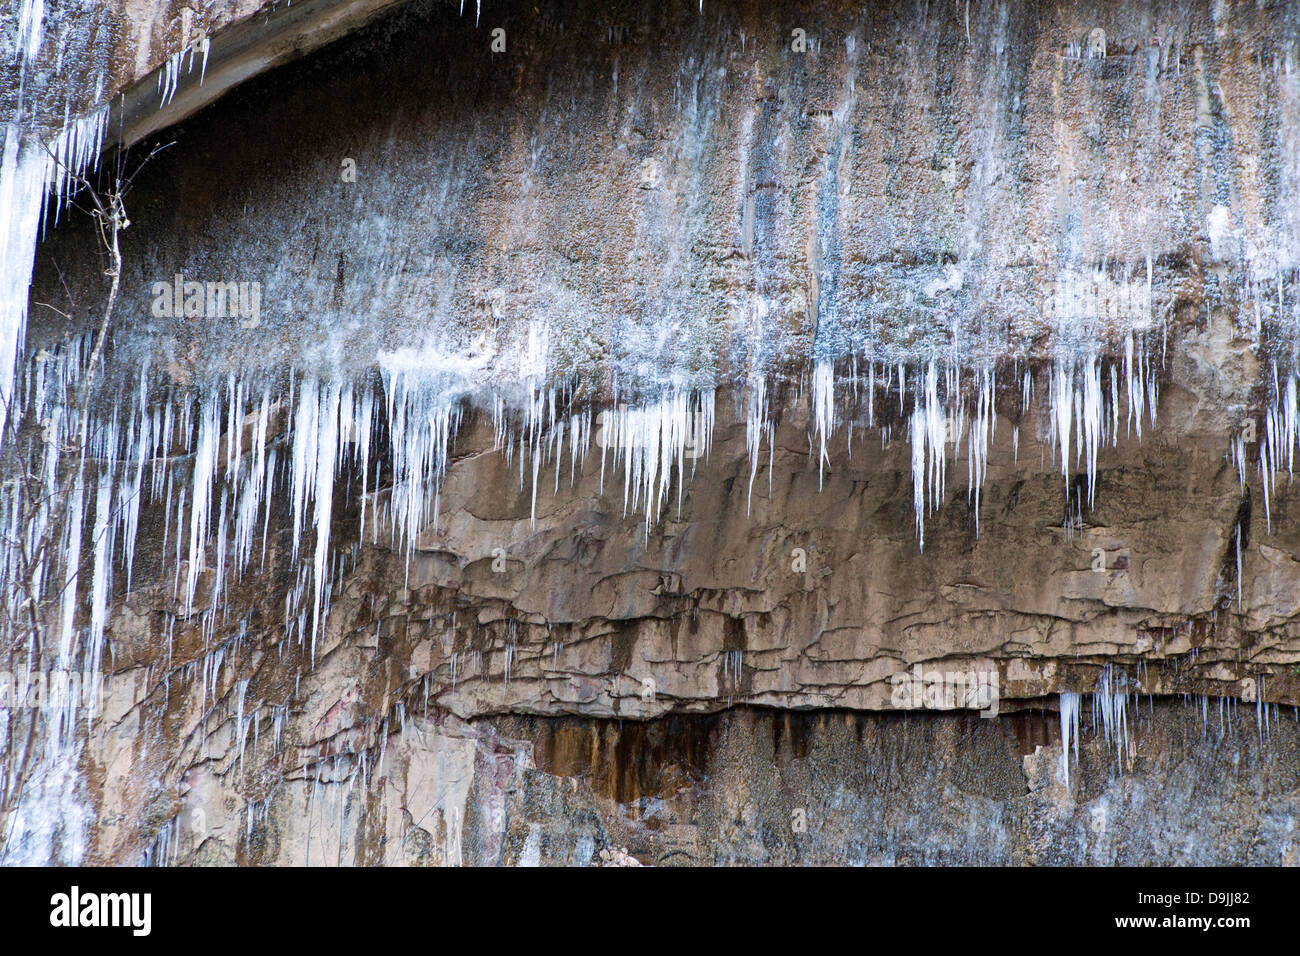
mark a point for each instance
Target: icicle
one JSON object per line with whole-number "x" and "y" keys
{"x": 1238, "y": 550}
{"x": 1069, "y": 731}
{"x": 823, "y": 400}
{"x": 1113, "y": 708}
{"x": 756, "y": 422}
{"x": 981, "y": 431}
{"x": 30, "y": 17}
{"x": 929, "y": 449}
{"x": 918, "y": 472}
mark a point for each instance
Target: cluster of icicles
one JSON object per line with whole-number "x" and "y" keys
{"x": 218, "y": 458}
{"x": 32, "y": 172}
{"x": 1109, "y": 711}
{"x": 1087, "y": 407}
{"x": 214, "y": 462}
{"x": 1277, "y": 444}
{"x": 169, "y": 75}
{"x": 35, "y": 168}
{"x": 1114, "y": 695}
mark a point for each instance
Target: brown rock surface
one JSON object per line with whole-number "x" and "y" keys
{"x": 716, "y": 684}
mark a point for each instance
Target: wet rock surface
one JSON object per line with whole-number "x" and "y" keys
{"x": 641, "y": 196}
{"x": 415, "y": 694}
{"x": 754, "y": 786}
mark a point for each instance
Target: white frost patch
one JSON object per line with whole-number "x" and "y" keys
{"x": 52, "y": 821}
{"x": 951, "y": 281}
{"x": 1219, "y": 230}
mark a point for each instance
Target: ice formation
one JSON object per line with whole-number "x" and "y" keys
{"x": 31, "y": 16}
{"x": 31, "y": 170}
{"x": 652, "y": 442}
{"x": 1069, "y": 731}
{"x": 823, "y": 397}
{"x": 216, "y": 457}
{"x": 29, "y": 173}
{"x": 169, "y": 76}
{"x": 1110, "y": 712}
{"x": 1110, "y": 704}
{"x": 1281, "y": 434}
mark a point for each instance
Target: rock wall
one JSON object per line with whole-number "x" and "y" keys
{"x": 425, "y": 664}
{"x": 916, "y": 183}
{"x": 635, "y": 197}
{"x": 762, "y": 787}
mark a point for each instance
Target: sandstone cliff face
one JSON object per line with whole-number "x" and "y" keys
{"x": 589, "y": 614}
{"x": 632, "y": 199}
{"x": 761, "y": 787}
{"x": 680, "y": 194}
